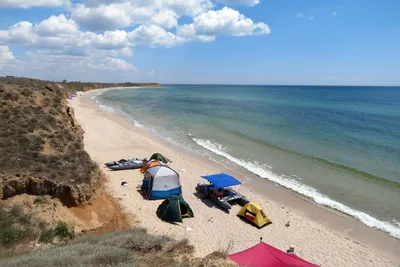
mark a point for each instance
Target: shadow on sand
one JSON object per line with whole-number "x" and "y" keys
{"x": 208, "y": 202}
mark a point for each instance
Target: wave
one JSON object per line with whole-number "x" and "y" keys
{"x": 296, "y": 186}
{"x": 359, "y": 173}
{"x": 138, "y": 124}
{"x": 105, "y": 107}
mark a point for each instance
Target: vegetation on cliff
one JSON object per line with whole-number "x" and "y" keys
{"x": 20, "y": 229}
{"x": 41, "y": 146}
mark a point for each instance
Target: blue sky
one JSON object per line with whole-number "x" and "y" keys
{"x": 349, "y": 42}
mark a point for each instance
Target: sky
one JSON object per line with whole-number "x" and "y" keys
{"x": 299, "y": 42}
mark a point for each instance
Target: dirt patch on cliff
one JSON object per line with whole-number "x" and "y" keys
{"x": 102, "y": 211}
{"x": 100, "y": 214}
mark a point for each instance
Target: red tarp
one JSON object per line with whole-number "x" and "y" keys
{"x": 264, "y": 255}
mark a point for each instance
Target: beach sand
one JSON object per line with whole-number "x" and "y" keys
{"x": 108, "y": 137}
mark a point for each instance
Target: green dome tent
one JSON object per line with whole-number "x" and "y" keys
{"x": 159, "y": 157}
{"x": 173, "y": 209}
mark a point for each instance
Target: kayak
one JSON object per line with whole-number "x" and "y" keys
{"x": 126, "y": 164}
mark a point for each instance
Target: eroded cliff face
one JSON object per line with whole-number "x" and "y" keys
{"x": 41, "y": 144}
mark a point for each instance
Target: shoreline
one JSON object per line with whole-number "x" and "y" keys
{"x": 340, "y": 228}
{"x": 100, "y": 91}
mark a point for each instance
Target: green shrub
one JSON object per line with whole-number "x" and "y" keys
{"x": 62, "y": 230}
{"x": 16, "y": 226}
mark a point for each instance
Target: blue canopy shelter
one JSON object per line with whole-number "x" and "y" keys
{"x": 222, "y": 180}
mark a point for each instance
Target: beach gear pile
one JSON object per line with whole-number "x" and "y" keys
{"x": 159, "y": 182}
{"x": 72, "y": 96}
{"x": 162, "y": 182}
{"x": 220, "y": 191}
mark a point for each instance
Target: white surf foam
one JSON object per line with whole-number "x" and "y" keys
{"x": 299, "y": 188}
{"x": 105, "y": 107}
{"x": 138, "y": 124}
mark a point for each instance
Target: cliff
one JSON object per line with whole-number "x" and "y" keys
{"x": 41, "y": 145}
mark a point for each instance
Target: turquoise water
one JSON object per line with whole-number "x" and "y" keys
{"x": 339, "y": 146}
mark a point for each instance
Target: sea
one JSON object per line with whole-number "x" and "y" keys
{"x": 339, "y": 146}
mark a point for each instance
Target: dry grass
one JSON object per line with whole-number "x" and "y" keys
{"x": 133, "y": 247}
{"x": 72, "y": 255}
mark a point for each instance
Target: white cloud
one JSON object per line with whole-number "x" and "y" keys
{"x": 5, "y": 55}
{"x": 334, "y": 14}
{"x": 107, "y": 15}
{"x": 95, "y": 34}
{"x": 225, "y": 21}
{"x": 154, "y": 35}
{"x": 107, "y": 40}
{"x": 60, "y": 33}
{"x": 112, "y": 16}
{"x": 205, "y": 38}
{"x": 240, "y": 2}
{"x": 117, "y": 64}
{"x": 126, "y": 51}
{"x": 165, "y": 18}
{"x": 99, "y": 2}
{"x": 29, "y": 3}
{"x": 302, "y": 16}
{"x": 19, "y": 32}
{"x": 78, "y": 68}
{"x": 43, "y": 60}
{"x": 56, "y": 26}
{"x": 187, "y": 7}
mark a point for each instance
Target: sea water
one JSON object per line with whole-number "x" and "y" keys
{"x": 337, "y": 145}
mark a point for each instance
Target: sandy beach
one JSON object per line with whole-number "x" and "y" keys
{"x": 108, "y": 137}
